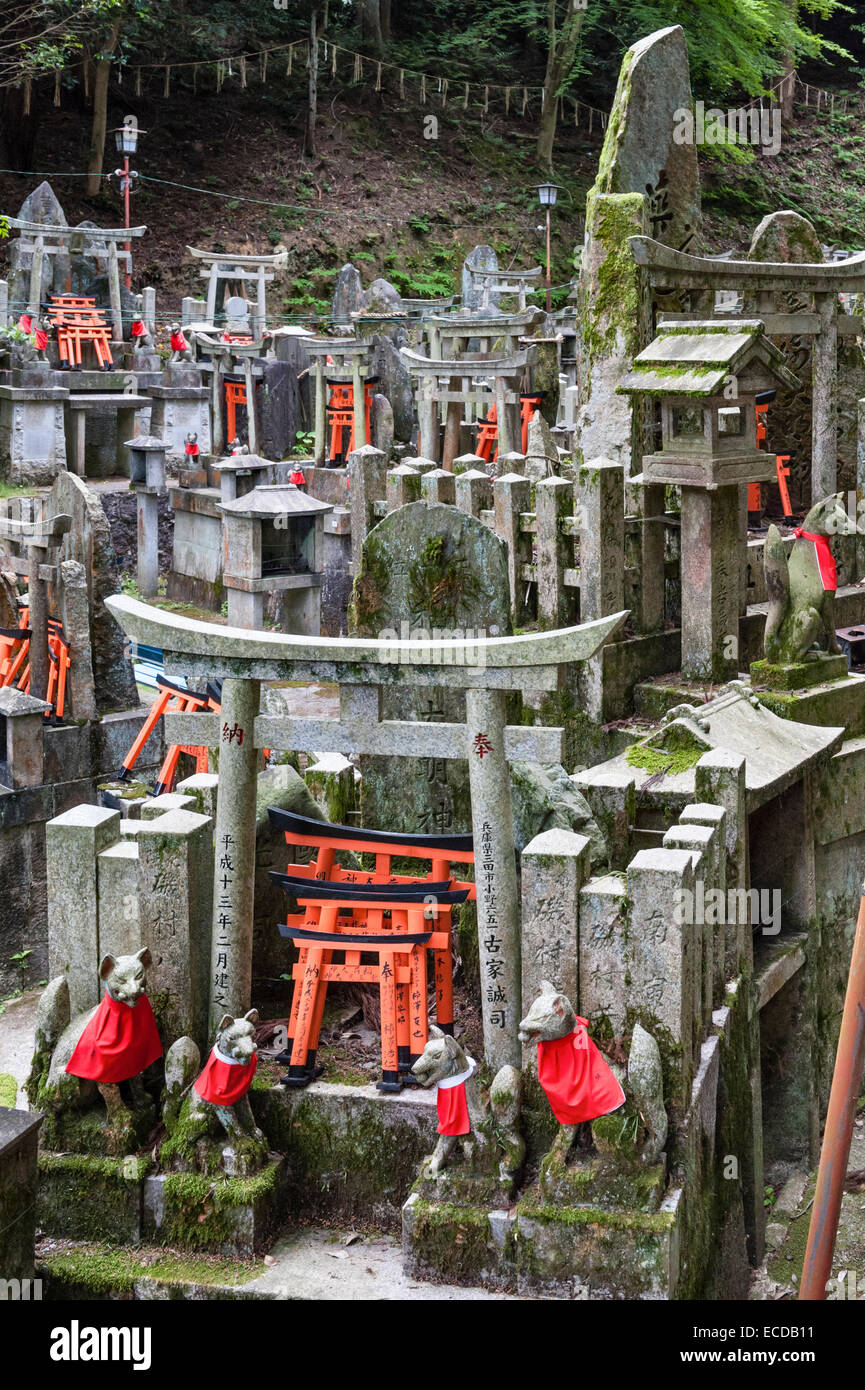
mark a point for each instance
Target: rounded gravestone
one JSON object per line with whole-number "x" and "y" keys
{"x": 432, "y": 567}
{"x": 479, "y": 258}
{"x": 347, "y": 295}
{"x": 426, "y": 570}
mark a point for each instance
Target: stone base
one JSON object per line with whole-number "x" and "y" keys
{"x": 832, "y": 705}
{"x": 89, "y": 1198}
{"x": 223, "y": 1216}
{"x": 352, "y": 1152}
{"x": 800, "y": 675}
{"x": 83, "y": 1197}
{"x": 540, "y": 1249}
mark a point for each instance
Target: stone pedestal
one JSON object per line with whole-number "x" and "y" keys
{"x": 19, "y": 1134}
{"x": 179, "y": 410}
{"x": 32, "y": 434}
{"x": 710, "y": 562}
{"x": 22, "y": 727}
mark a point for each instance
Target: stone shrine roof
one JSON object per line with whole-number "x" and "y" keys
{"x": 275, "y": 499}
{"x": 698, "y": 358}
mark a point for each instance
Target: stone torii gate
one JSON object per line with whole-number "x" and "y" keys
{"x": 98, "y": 242}
{"x": 486, "y": 670}
{"x": 761, "y": 281}
{"x": 39, "y": 537}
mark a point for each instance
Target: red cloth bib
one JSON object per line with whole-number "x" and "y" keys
{"x": 453, "y": 1110}
{"x": 192, "y": 450}
{"x": 119, "y": 1042}
{"x": 178, "y": 342}
{"x": 138, "y": 329}
{"x": 578, "y": 1083}
{"x": 225, "y": 1083}
{"x": 41, "y": 339}
{"x": 25, "y": 323}
{"x": 297, "y": 478}
{"x": 825, "y": 558}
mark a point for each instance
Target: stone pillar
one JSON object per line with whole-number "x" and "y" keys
{"x": 72, "y": 842}
{"x": 511, "y": 497}
{"x": 467, "y": 463}
{"x": 319, "y": 448}
{"x": 234, "y": 861}
{"x": 603, "y": 937}
{"x": 359, "y": 404}
{"x": 438, "y": 485}
{"x": 507, "y": 440}
{"x": 148, "y": 307}
{"x": 554, "y": 867}
{"x": 707, "y": 920}
{"x": 38, "y": 622}
{"x": 22, "y": 754}
{"x": 824, "y": 400}
{"x": 119, "y": 897}
{"x": 176, "y": 876}
{"x": 367, "y": 476}
{"x": 428, "y": 418}
{"x": 4, "y": 303}
{"x": 453, "y": 419}
{"x": 80, "y": 681}
{"x": 710, "y": 569}
{"x": 661, "y": 956}
{"x": 148, "y": 541}
{"x": 495, "y": 876}
{"x": 715, "y": 817}
{"x": 652, "y": 552}
{"x": 202, "y": 787}
{"x": 601, "y": 509}
{"x": 19, "y": 1184}
{"x": 719, "y": 778}
{"x": 554, "y": 500}
{"x": 474, "y": 492}
{"x": 403, "y": 486}
{"x": 192, "y": 309}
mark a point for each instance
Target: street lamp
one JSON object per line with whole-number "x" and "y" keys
{"x": 547, "y": 194}
{"x": 126, "y": 139}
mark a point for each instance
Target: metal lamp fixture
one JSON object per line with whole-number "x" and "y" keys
{"x": 547, "y": 194}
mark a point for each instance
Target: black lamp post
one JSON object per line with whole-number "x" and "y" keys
{"x": 547, "y": 194}
{"x": 126, "y": 139}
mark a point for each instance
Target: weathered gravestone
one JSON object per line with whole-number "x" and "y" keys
{"x": 426, "y": 570}
{"x": 641, "y": 153}
{"x": 347, "y": 295}
{"x": 647, "y": 183}
{"x": 479, "y": 258}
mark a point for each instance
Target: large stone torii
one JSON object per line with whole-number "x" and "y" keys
{"x": 486, "y": 670}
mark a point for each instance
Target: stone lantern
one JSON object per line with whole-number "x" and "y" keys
{"x": 273, "y": 541}
{"x": 707, "y": 377}
{"x": 240, "y": 473}
{"x": 147, "y": 480}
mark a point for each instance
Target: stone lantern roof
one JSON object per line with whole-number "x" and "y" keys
{"x": 698, "y": 358}
{"x": 242, "y": 463}
{"x": 267, "y": 501}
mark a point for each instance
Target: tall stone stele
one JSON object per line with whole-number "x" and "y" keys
{"x": 706, "y": 377}
{"x": 647, "y": 183}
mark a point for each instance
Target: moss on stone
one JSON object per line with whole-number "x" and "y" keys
{"x": 200, "y": 1211}
{"x": 104, "y": 1271}
{"x": 663, "y": 760}
{"x": 8, "y": 1090}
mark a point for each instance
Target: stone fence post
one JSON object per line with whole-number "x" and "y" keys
{"x": 555, "y": 865}
{"x": 474, "y": 491}
{"x": 367, "y": 476}
{"x": 438, "y": 485}
{"x": 719, "y": 778}
{"x": 72, "y": 842}
{"x": 554, "y": 500}
{"x": 512, "y": 497}
{"x": 661, "y": 955}
{"x": 402, "y": 486}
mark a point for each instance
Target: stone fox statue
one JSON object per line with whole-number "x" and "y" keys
{"x": 462, "y": 1114}
{"x": 802, "y": 587}
{"x": 99, "y": 1050}
{"x": 218, "y": 1101}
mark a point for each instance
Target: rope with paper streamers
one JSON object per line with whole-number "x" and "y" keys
{"x": 432, "y": 90}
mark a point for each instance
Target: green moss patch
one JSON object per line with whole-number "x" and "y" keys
{"x": 663, "y": 760}
{"x": 99, "y": 1270}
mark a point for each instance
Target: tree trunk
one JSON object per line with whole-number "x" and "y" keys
{"x": 312, "y": 100}
{"x": 102, "y": 71}
{"x": 101, "y": 75}
{"x": 384, "y": 13}
{"x": 371, "y": 25}
{"x": 561, "y": 51}
{"x": 788, "y": 88}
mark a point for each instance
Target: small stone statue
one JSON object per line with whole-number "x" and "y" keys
{"x": 180, "y": 349}
{"x": 801, "y": 588}
{"x": 113, "y": 1043}
{"x": 461, "y": 1111}
{"x": 219, "y": 1100}
{"x": 140, "y": 335}
{"x": 191, "y": 448}
{"x": 578, "y": 1082}
{"x": 646, "y": 1083}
